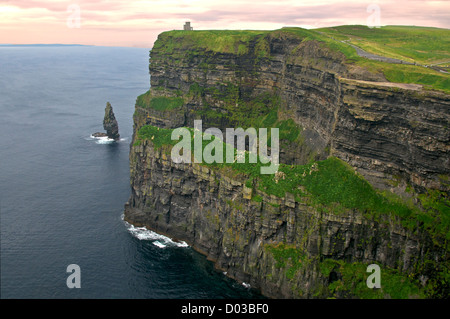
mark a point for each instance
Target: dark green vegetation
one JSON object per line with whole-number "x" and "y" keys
{"x": 258, "y": 112}
{"x": 229, "y": 41}
{"x": 159, "y": 103}
{"x": 158, "y": 136}
{"x": 346, "y": 279}
{"x": 287, "y": 257}
{"x": 352, "y": 281}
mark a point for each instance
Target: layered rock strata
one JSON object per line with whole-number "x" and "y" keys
{"x": 395, "y": 135}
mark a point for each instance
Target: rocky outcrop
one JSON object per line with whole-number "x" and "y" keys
{"x": 396, "y": 136}
{"x": 109, "y": 125}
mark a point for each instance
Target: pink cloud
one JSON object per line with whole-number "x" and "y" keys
{"x": 122, "y": 22}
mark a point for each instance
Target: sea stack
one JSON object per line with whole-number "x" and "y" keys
{"x": 110, "y": 123}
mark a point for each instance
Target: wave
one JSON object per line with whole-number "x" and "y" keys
{"x": 158, "y": 240}
{"x": 158, "y": 244}
{"x": 105, "y": 139}
{"x": 246, "y": 285}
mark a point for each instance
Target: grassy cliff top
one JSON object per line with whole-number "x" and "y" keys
{"x": 422, "y": 45}
{"x": 236, "y": 41}
{"x": 428, "y": 48}
{"x": 225, "y": 41}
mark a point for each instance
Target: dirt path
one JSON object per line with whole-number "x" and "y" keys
{"x": 407, "y": 86}
{"x": 375, "y": 57}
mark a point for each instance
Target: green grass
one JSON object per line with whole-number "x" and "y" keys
{"x": 414, "y": 44}
{"x": 257, "y": 198}
{"x": 288, "y": 257}
{"x": 437, "y": 219}
{"x": 353, "y": 278}
{"x": 336, "y": 46}
{"x": 258, "y": 112}
{"x": 223, "y": 41}
{"x": 420, "y": 45}
{"x": 158, "y": 136}
{"x": 159, "y": 103}
{"x": 418, "y": 75}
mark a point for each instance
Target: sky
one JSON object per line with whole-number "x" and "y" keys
{"x": 137, "y": 23}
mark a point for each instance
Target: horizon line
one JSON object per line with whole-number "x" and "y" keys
{"x": 149, "y": 47}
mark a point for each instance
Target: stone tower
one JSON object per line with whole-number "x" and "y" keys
{"x": 187, "y": 26}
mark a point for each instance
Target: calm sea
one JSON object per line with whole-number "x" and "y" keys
{"x": 62, "y": 192}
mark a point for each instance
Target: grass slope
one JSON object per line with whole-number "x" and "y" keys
{"x": 420, "y": 45}
{"x": 413, "y": 44}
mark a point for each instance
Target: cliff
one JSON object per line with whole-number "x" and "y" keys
{"x": 363, "y": 176}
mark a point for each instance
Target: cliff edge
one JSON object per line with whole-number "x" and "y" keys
{"x": 363, "y": 179}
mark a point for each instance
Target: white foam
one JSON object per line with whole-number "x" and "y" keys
{"x": 159, "y": 240}
{"x": 246, "y": 285}
{"x": 158, "y": 244}
{"x": 105, "y": 139}
{"x": 102, "y": 139}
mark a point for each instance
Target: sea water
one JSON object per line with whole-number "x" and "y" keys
{"x": 62, "y": 192}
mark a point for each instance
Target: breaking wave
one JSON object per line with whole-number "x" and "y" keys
{"x": 105, "y": 139}
{"x": 158, "y": 240}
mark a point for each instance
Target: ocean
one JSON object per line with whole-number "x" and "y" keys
{"x": 62, "y": 192}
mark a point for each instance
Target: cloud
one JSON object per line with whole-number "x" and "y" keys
{"x": 322, "y": 14}
{"x": 123, "y": 22}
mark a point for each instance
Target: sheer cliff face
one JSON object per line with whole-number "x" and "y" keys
{"x": 385, "y": 131}
{"x": 400, "y": 133}
{"x": 278, "y": 245}
{"x": 396, "y": 136}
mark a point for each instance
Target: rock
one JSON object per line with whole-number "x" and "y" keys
{"x": 247, "y": 192}
{"x": 99, "y": 134}
{"x": 110, "y": 123}
{"x": 290, "y": 200}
